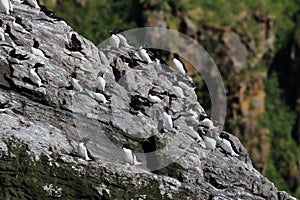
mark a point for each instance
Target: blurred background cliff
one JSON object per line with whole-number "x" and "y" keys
{"x": 256, "y": 46}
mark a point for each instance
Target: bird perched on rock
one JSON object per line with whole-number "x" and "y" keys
{"x": 129, "y": 156}
{"x": 36, "y": 51}
{"x": 74, "y": 44}
{"x": 82, "y": 151}
{"x": 114, "y": 40}
{"x": 210, "y": 142}
{"x": 144, "y": 55}
{"x": 153, "y": 96}
{"x": 178, "y": 64}
{"x": 75, "y": 83}
{"x": 6, "y": 6}
{"x": 225, "y": 144}
{"x": 123, "y": 40}
{"x": 100, "y": 82}
{"x": 16, "y": 26}
{"x": 33, "y": 74}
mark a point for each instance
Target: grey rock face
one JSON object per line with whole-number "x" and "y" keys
{"x": 52, "y": 119}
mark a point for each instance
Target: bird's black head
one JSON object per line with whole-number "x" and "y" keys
{"x": 224, "y": 135}
{"x": 18, "y": 20}
{"x": 111, "y": 32}
{"x": 176, "y": 55}
{"x": 120, "y": 30}
{"x": 1, "y": 22}
{"x": 73, "y": 36}
{"x": 101, "y": 74}
{"x": 8, "y": 28}
{"x": 126, "y": 145}
{"x": 202, "y": 117}
{"x": 35, "y": 43}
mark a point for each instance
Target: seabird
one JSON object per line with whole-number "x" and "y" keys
{"x": 75, "y": 44}
{"x": 9, "y": 40}
{"x": 100, "y": 82}
{"x": 5, "y": 6}
{"x": 206, "y": 122}
{"x": 82, "y": 151}
{"x": 16, "y": 58}
{"x": 144, "y": 55}
{"x": 18, "y": 27}
{"x": 128, "y": 156}
{"x": 178, "y": 64}
{"x": 75, "y": 84}
{"x": 225, "y": 144}
{"x": 210, "y": 142}
{"x": 35, "y": 49}
{"x": 153, "y": 97}
{"x": 114, "y": 40}
{"x": 33, "y": 3}
{"x": 123, "y": 40}
{"x": 33, "y": 74}
{"x": 167, "y": 119}
{"x": 98, "y": 97}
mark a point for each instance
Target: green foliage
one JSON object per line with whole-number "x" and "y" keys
{"x": 97, "y": 17}
{"x": 279, "y": 120}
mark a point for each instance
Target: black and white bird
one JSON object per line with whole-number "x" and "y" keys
{"x": 207, "y": 123}
{"x": 33, "y": 74}
{"x": 144, "y": 55}
{"x": 33, "y": 3}
{"x": 18, "y": 27}
{"x": 114, "y": 40}
{"x": 6, "y": 6}
{"x": 178, "y": 64}
{"x": 97, "y": 96}
{"x": 74, "y": 44}
{"x": 82, "y": 151}
{"x": 128, "y": 156}
{"x": 75, "y": 83}
{"x": 100, "y": 82}
{"x": 123, "y": 40}
{"x": 36, "y": 51}
{"x": 225, "y": 144}
{"x": 167, "y": 119}
{"x": 210, "y": 142}
{"x": 154, "y": 97}
{"x": 16, "y": 58}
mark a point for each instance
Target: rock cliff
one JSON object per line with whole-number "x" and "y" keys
{"x": 41, "y": 126}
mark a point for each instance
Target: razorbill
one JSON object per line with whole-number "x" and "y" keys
{"x": 144, "y": 55}
{"x": 157, "y": 65}
{"x": 98, "y": 96}
{"x": 167, "y": 119}
{"x": 128, "y": 156}
{"x": 9, "y": 40}
{"x": 114, "y": 40}
{"x": 36, "y": 51}
{"x": 33, "y": 3}
{"x": 74, "y": 44}
{"x": 18, "y": 27}
{"x": 210, "y": 142}
{"x": 33, "y": 74}
{"x": 16, "y": 58}
{"x": 225, "y": 144}
{"x": 100, "y": 82}
{"x": 123, "y": 40}
{"x": 153, "y": 96}
{"x": 82, "y": 151}
{"x": 178, "y": 64}
{"x": 5, "y": 6}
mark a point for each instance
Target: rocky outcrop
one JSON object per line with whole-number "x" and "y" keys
{"x": 41, "y": 126}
